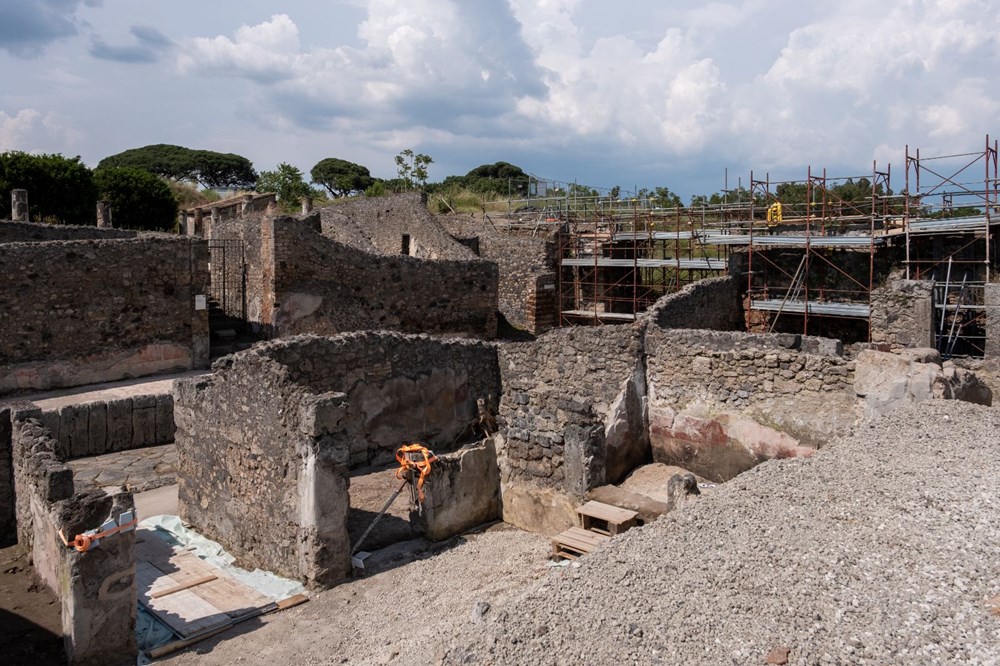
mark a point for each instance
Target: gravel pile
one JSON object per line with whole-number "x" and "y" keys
{"x": 884, "y": 548}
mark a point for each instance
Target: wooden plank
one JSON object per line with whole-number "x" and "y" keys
{"x": 577, "y": 541}
{"x": 170, "y": 648}
{"x": 184, "y": 612}
{"x": 232, "y": 597}
{"x": 183, "y": 586}
{"x": 576, "y": 544}
{"x": 587, "y": 535}
{"x": 606, "y": 512}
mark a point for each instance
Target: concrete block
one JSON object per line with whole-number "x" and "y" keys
{"x": 97, "y": 427}
{"x": 119, "y": 425}
{"x": 143, "y": 421}
{"x": 164, "y": 419}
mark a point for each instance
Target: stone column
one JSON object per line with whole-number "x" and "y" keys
{"x": 307, "y": 205}
{"x": 19, "y": 205}
{"x": 198, "y": 216}
{"x": 103, "y": 214}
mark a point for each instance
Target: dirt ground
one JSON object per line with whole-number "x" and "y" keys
{"x": 392, "y": 616}
{"x": 370, "y": 489}
{"x": 30, "y": 625}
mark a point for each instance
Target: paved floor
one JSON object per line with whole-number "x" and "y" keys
{"x": 154, "y": 385}
{"x": 139, "y": 469}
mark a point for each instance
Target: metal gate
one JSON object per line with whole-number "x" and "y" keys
{"x": 227, "y": 269}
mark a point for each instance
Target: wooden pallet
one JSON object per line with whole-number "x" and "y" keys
{"x": 605, "y": 518}
{"x": 575, "y": 542}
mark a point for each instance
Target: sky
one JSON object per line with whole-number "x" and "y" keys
{"x": 635, "y": 93}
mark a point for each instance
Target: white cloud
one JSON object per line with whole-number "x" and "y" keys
{"x": 14, "y": 129}
{"x": 265, "y": 52}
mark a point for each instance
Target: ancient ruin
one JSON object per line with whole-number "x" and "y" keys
{"x": 575, "y": 376}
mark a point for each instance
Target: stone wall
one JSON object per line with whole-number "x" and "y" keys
{"x": 325, "y": 287}
{"x": 713, "y": 303}
{"x": 571, "y": 417}
{"x": 265, "y": 443}
{"x": 378, "y": 224}
{"x": 106, "y": 426}
{"x": 30, "y": 232}
{"x": 299, "y": 281}
{"x": 8, "y": 522}
{"x": 527, "y": 291}
{"x": 903, "y": 314}
{"x": 991, "y": 299}
{"x": 96, "y": 588}
{"x": 721, "y": 402}
{"x": 86, "y": 311}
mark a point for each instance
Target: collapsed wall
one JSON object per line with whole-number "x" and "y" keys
{"x": 713, "y": 303}
{"x": 392, "y": 225}
{"x": 266, "y": 442}
{"x": 96, "y": 587}
{"x": 103, "y": 307}
{"x": 527, "y": 288}
{"x": 300, "y": 281}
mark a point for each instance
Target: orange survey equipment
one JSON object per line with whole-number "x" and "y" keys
{"x": 415, "y": 459}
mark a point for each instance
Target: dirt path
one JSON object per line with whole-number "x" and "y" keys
{"x": 399, "y": 616}
{"x": 30, "y": 624}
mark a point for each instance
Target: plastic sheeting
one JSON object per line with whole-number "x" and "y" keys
{"x": 152, "y": 633}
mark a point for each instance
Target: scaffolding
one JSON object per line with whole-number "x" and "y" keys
{"x": 831, "y": 241}
{"x": 615, "y": 262}
{"x": 951, "y": 210}
{"x": 811, "y": 255}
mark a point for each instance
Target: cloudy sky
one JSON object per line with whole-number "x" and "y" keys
{"x": 636, "y": 92}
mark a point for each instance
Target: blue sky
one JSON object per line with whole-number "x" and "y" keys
{"x": 633, "y": 93}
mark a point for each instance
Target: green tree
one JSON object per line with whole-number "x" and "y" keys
{"x": 499, "y": 178}
{"x": 209, "y": 168}
{"x": 138, "y": 199}
{"x": 663, "y": 198}
{"x": 412, "y": 167}
{"x": 341, "y": 177}
{"x": 60, "y": 189}
{"x": 287, "y": 182}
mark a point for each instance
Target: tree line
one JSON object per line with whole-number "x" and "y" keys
{"x": 146, "y": 186}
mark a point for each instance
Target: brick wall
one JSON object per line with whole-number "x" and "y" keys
{"x": 527, "y": 294}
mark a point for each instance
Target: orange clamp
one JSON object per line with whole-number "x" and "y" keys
{"x": 82, "y": 542}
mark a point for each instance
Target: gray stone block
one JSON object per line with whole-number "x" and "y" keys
{"x": 74, "y": 431}
{"x": 97, "y": 427}
{"x": 119, "y": 428}
{"x": 164, "y": 419}
{"x": 143, "y": 421}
